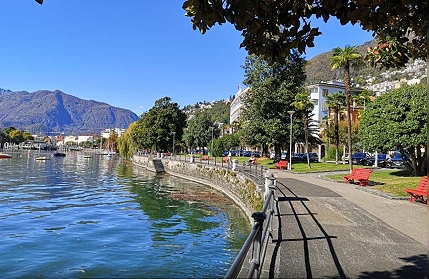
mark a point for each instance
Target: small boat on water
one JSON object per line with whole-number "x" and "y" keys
{"x": 5, "y": 156}
{"x": 43, "y": 158}
{"x": 59, "y": 154}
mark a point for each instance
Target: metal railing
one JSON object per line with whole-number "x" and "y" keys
{"x": 258, "y": 237}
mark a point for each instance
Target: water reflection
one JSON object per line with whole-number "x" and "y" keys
{"x": 100, "y": 217}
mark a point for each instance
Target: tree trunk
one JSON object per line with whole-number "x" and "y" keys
{"x": 337, "y": 134}
{"x": 349, "y": 116}
{"x": 304, "y": 119}
{"x": 278, "y": 152}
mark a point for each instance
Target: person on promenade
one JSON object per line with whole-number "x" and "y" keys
{"x": 250, "y": 161}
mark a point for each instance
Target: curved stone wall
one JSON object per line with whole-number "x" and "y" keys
{"x": 241, "y": 189}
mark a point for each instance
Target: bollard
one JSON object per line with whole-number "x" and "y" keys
{"x": 234, "y": 164}
{"x": 270, "y": 181}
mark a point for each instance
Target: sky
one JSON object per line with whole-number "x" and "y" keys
{"x": 129, "y": 53}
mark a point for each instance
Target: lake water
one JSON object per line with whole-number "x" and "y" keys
{"x": 99, "y": 217}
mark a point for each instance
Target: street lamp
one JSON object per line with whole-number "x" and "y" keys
{"x": 364, "y": 99}
{"x": 211, "y": 148}
{"x": 291, "y": 112}
{"x": 174, "y": 133}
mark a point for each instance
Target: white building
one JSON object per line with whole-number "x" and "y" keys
{"x": 106, "y": 132}
{"x": 237, "y": 104}
{"x": 318, "y": 93}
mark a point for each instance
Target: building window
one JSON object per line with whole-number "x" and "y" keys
{"x": 324, "y": 92}
{"x": 324, "y": 107}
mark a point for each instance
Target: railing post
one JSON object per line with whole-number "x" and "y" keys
{"x": 259, "y": 218}
{"x": 270, "y": 182}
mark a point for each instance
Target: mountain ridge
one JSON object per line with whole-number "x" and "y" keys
{"x": 45, "y": 111}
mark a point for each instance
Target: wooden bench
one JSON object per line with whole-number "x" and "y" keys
{"x": 205, "y": 157}
{"x": 420, "y": 193}
{"x": 359, "y": 174}
{"x": 282, "y": 164}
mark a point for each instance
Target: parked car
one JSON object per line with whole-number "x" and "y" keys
{"x": 297, "y": 157}
{"x": 359, "y": 158}
{"x": 396, "y": 161}
{"x": 284, "y": 156}
{"x": 383, "y": 161}
{"x": 247, "y": 153}
{"x": 313, "y": 157}
{"x": 256, "y": 154}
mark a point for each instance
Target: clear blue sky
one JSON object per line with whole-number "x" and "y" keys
{"x": 128, "y": 53}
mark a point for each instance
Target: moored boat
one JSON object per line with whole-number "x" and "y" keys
{"x": 5, "y": 156}
{"x": 59, "y": 154}
{"x": 43, "y": 158}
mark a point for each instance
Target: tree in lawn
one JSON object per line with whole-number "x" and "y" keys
{"x": 397, "y": 120}
{"x": 273, "y": 88}
{"x": 304, "y": 105}
{"x": 198, "y": 133}
{"x": 334, "y": 101}
{"x": 154, "y": 129}
{"x": 272, "y": 29}
{"x": 347, "y": 58}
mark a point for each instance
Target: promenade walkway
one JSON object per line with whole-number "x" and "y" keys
{"x": 326, "y": 229}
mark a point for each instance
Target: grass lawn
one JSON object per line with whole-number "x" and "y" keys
{"x": 391, "y": 181}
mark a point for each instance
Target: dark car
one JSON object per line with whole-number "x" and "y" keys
{"x": 397, "y": 162}
{"x": 313, "y": 157}
{"x": 383, "y": 161}
{"x": 247, "y": 153}
{"x": 359, "y": 158}
{"x": 297, "y": 157}
{"x": 256, "y": 154}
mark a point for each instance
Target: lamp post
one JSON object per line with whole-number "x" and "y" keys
{"x": 174, "y": 133}
{"x": 211, "y": 148}
{"x": 291, "y": 112}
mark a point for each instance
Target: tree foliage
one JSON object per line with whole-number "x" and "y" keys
{"x": 154, "y": 129}
{"x": 304, "y": 105}
{"x": 398, "y": 121}
{"x": 199, "y": 133}
{"x": 334, "y": 101}
{"x": 226, "y": 142}
{"x": 125, "y": 143}
{"x": 347, "y": 58}
{"x": 272, "y": 29}
{"x": 265, "y": 117}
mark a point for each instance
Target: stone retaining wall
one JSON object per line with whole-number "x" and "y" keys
{"x": 241, "y": 189}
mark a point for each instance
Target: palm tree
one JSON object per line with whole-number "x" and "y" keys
{"x": 304, "y": 104}
{"x": 347, "y": 58}
{"x": 334, "y": 101}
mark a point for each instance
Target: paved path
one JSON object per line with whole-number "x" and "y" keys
{"x": 326, "y": 229}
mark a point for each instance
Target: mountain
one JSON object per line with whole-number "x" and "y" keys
{"x": 46, "y": 112}
{"x": 376, "y": 80}
{"x": 318, "y": 68}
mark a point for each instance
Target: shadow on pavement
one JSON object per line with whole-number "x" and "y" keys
{"x": 291, "y": 198}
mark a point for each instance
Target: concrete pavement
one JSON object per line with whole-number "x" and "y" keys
{"x": 326, "y": 229}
